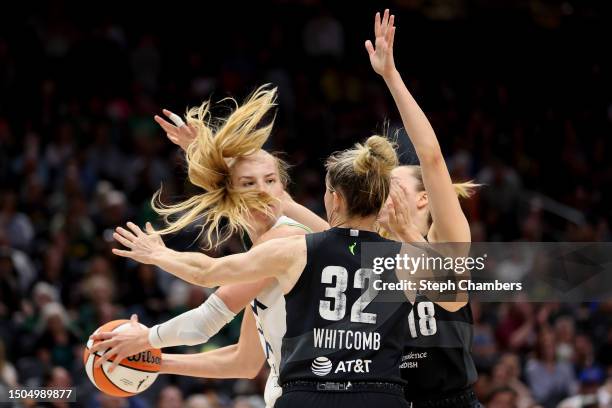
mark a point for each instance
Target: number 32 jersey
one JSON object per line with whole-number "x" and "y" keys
{"x": 339, "y": 328}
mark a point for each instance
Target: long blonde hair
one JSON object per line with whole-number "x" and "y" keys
{"x": 216, "y": 148}
{"x": 464, "y": 190}
{"x": 363, "y": 175}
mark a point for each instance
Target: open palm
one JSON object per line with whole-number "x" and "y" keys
{"x": 381, "y": 54}
{"x": 143, "y": 246}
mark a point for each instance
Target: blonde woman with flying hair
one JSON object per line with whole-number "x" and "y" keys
{"x": 243, "y": 186}
{"x": 358, "y": 182}
{"x": 321, "y": 278}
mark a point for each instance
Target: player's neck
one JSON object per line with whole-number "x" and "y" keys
{"x": 359, "y": 223}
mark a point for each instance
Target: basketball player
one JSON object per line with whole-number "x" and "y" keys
{"x": 437, "y": 362}
{"x": 232, "y": 150}
{"x": 321, "y": 277}
{"x": 385, "y": 30}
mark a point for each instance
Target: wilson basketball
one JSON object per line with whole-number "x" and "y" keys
{"x": 133, "y": 375}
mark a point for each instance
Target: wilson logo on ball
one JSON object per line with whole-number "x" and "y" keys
{"x": 321, "y": 366}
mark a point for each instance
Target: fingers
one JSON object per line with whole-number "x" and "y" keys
{"x": 391, "y": 38}
{"x": 149, "y": 228}
{"x": 369, "y": 47}
{"x": 392, "y": 215}
{"x": 398, "y": 208}
{"x": 385, "y": 23}
{"x": 123, "y": 253}
{"x": 390, "y": 30}
{"x": 377, "y": 24}
{"x": 403, "y": 192}
{"x": 102, "y": 336}
{"x": 102, "y": 345}
{"x": 168, "y": 127}
{"x": 135, "y": 229}
{"x": 116, "y": 361}
{"x": 174, "y": 118}
{"x": 104, "y": 357}
{"x": 126, "y": 234}
{"x": 123, "y": 241}
{"x": 134, "y": 319}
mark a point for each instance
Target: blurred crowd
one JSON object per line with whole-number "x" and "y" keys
{"x": 529, "y": 117}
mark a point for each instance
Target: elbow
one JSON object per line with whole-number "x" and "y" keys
{"x": 452, "y": 307}
{"x": 252, "y": 368}
{"x": 252, "y": 373}
{"x": 251, "y": 363}
{"x": 431, "y": 156}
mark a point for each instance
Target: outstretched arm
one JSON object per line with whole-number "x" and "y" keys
{"x": 241, "y": 360}
{"x": 280, "y": 258}
{"x": 449, "y": 222}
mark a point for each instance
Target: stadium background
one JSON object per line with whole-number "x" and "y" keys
{"x": 519, "y": 93}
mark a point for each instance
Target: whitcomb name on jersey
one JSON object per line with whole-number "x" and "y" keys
{"x": 322, "y": 366}
{"x": 346, "y": 339}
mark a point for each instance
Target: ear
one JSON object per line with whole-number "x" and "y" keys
{"x": 337, "y": 201}
{"x": 422, "y": 199}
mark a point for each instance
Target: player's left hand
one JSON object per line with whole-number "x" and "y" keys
{"x": 143, "y": 246}
{"x": 180, "y": 133}
{"x": 397, "y": 218}
{"x": 119, "y": 345}
{"x": 381, "y": 54}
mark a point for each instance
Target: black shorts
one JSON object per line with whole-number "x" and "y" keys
{"x": 310, "y": 399}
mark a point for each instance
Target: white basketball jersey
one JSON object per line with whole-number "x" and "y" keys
{"x": 270, "y": 316}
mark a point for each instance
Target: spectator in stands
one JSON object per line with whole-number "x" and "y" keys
{"x": 550, "y": 380}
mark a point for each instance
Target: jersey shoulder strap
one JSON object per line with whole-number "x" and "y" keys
{"x": 284, "y": 220}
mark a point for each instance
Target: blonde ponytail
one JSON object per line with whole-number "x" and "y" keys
{"x": 466, "y": 189}
{"x": 209, "y": 159}
{"x": 463, "y": 190}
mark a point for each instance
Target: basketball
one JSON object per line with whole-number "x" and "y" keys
{"x": 133, "y": 375}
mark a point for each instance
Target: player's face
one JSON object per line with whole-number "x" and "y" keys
{"x": 259, "y": 172}
{"x": 404, "y": 176}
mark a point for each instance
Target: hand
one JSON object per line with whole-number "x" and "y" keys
{"x": 143, "y": 246}
{"x": 395, "y": 216}
{"x": 181, "y": 134}
{"x": 119, "y": 345}
{"x": 381, "y": 57}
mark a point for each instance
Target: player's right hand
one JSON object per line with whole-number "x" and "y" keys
{"x": 180, "y": 134}
{"x": 119, "y": 345}
{"x": 381, "y": 52}
{"x": 143, "y": 246}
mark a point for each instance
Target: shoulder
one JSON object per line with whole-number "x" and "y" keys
{"x": 282, "y": 231}
{"x": 281, "y": 244}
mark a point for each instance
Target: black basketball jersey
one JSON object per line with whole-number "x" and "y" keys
{"x": 437, "y": 358}
{"x": 338, "y": 328}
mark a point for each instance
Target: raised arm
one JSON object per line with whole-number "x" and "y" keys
{"x": 449, "y": 222}
{"x": 241, "y": 360}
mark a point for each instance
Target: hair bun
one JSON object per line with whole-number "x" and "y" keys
{"x": 377, "y": 154}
